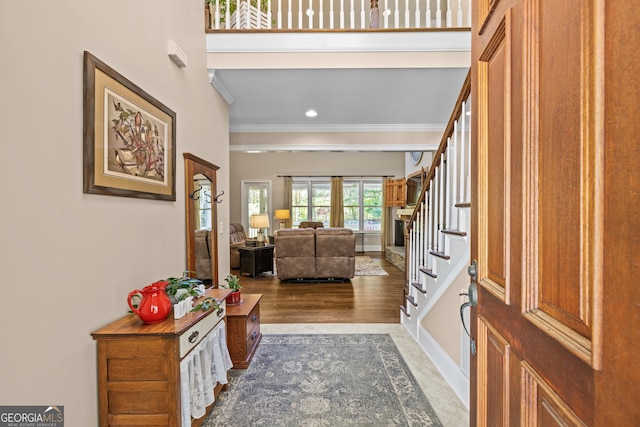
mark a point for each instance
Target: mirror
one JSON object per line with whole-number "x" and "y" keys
{"x": 201, "y": 218}
{"x": 414, "y": 187}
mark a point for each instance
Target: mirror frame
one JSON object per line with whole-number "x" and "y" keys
{"x": 194, "y": 165}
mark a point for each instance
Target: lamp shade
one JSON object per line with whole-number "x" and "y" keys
{"x": 283, "y": 214}
{"x": 259, "y": 221}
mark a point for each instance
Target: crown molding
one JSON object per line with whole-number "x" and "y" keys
{"x": 220, "y": 87}
{"x": 264, "y": 148}
{"x": 338, "y": 128}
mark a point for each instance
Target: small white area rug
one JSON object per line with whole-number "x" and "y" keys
{"x": 365, "y": 266}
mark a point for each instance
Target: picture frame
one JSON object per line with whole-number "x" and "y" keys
{"x": 129, "y": 137}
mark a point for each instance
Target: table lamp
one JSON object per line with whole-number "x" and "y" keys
{"x": 260, "y": 221}
{"x": 282, "y": 215}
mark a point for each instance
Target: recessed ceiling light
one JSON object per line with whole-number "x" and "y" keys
{"x": 311, "y": 113}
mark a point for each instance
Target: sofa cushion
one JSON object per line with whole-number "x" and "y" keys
{"x": 295, "y": 253}
{"x": 335, "y": 252}
{"x": 335, "y": 242}
{"x": 236, "y": 233}
{"x": 292, "y": 242}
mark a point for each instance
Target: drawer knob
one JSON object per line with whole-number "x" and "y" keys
{"x": 254, "y": 317}
{"x": 220, "y": 312}
{"x": 193, "y": 337}
{"x": 253, "y": 336}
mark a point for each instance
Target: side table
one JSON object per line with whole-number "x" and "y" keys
{"x": 243, "y": 330}
{"x": 256, "y": 260}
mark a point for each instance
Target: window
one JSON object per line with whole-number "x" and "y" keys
{"x": 256, "y": 200}
{"x": 362, "y": 200}
{"x": 310, "y": 201}
{"x": 363, "y": 204}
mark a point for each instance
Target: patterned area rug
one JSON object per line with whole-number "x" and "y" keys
{"x": 324, "y": 380}
{"x": 365, "y": 266}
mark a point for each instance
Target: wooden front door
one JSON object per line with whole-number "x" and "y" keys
{"x": 555, "y": 92}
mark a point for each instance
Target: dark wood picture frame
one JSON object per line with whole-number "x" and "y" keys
{"x": 129, "y": 137}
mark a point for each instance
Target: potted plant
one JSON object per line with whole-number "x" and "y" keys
{"x": 233, "y": 283}
{"x": 179, "y": 288}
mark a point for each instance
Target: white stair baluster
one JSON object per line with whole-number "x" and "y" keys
{"x": 310, "y": 14}
{"x": 407, "y": 16}
{"x": 216, "y": 15}
{"x": 423, "y": 234}
{"x": 227, "y": 18}
{"x": 442, "y": 203}
{"x": 469, "y": 14}
{"x": 427, "y": 15}
{"x": 258, "y": 14}
{"x": 299, "y": 14}
{"x": 453, "y": 166}
{"x": 331, "y": 14}
{"x": 362, "y": 15}
{"x": 352, "y": 17}
{"x": 290, "y": 16}
{"x": 269, "y": 15}
{"x": 432, "y": 199}
{"x": 279, "y": 14}
{"x": 386, "y": 13}
{"x": 396, "y": 16}
{"x": 449, "y": 17}
{"x": 463, "y": 172}
{"x": 342, "y": 14}
{"x": 321, "y": 16}
{"x": 417, "y": 14}
{"x": 436, "y": 209}
{"x": 412, "y": 255}
{"x": 438, "y": 15}
{"x": 459, "y": 13}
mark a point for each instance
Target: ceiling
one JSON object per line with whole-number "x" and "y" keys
{"x": 275, "y": 100}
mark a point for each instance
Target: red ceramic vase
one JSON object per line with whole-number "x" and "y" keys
{"x": 233, "y": 298}
{"x": 154, "y": 304}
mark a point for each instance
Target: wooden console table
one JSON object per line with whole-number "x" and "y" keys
{"x": 139, "y": 366}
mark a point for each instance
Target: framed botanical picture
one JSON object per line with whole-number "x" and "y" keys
{"x": 129, "y": 137}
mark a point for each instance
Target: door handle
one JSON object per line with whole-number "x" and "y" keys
{"x": 472, "y": 294}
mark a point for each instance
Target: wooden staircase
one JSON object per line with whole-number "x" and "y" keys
{"x": 438, "y": 231}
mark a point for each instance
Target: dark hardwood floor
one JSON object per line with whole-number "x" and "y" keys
{"x": 363, "y": 299}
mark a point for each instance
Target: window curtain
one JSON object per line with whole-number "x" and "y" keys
{"x": 337, "y": 204}
{"x": 288, "y": 189}
{"x": 385, "y": 238}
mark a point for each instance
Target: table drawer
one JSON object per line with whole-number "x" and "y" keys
{"x": 192, "y": 336}
{"x": 253, "y": 319}
{"x": 252, "y": 340}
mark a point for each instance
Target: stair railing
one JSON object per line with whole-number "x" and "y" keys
{"x": 359, "y": 15}
{"x": 446, "y": 186}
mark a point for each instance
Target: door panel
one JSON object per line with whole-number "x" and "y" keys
{"x": 537, "y": 221}
{"x": 565, "y": 243}
{"x": 494, "y": 160}
{"x": 541, "y": 405}
{"x": 493, "y": 375}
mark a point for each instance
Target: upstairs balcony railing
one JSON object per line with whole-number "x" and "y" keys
{"x": 339, "y": 15}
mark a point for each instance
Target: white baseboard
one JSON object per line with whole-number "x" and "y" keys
{"x": 452, "y": 373}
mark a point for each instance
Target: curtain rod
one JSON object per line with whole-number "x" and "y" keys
{"x": 336, "y": 176}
